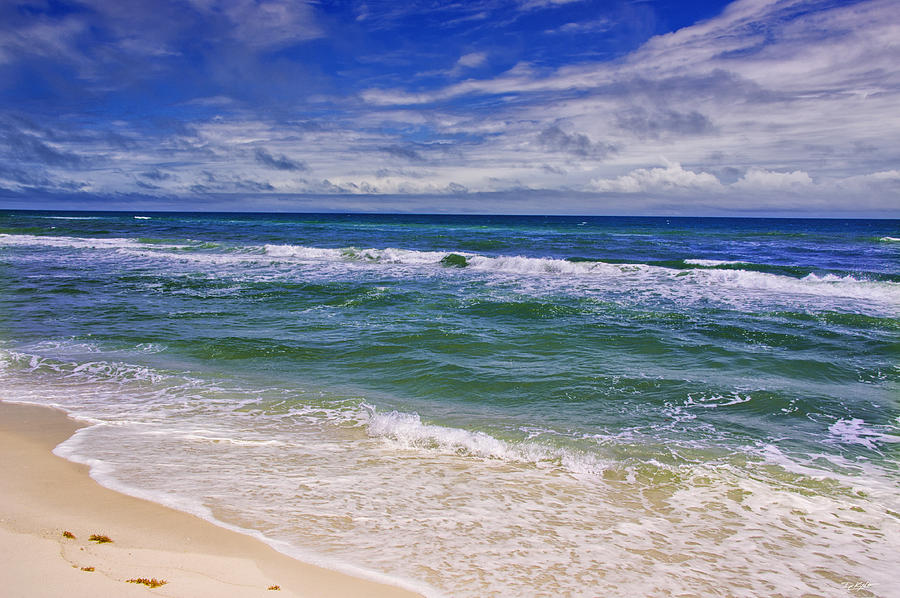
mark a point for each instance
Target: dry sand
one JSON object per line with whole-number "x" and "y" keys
{"x": 42, "y": 495}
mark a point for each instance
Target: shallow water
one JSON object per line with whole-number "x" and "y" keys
{"x": 485, "y": 405}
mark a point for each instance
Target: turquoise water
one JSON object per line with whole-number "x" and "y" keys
{"x": 485, "y": 405}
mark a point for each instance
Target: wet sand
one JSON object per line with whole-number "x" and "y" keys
{"x": 42, "y": 496}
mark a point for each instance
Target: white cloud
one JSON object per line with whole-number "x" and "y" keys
{"x": 592, "y": 26}
{"x": 472, "y": 59}
{"x": 155, "y": 29}
{"x": 777, "y": 96}
{"x": 810, "y": 103}
{"x": 43, "y": 37}
{"x": 884, "y": 181}
{"x": 388, "y": 97}
{"x": 672, "y": 177}
{"x": 271, "y": 22}
{"x": 886, "y": 175}
{"x": 760, "y": 179}
{"x": 538, "y": 4}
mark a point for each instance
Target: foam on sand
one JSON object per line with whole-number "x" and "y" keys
{"x": 42, "y": 493}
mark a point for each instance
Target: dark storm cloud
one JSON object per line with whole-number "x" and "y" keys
{"x": 718, "y": 83}
{"x": 145, "y": 185}
{"x": 577, "y": 144}
{"x": 156, "y": 175}
{"x": 252, "y": 185}
{"x": 382, "y": 173}
{"x": 404, "y": 152}
{"x": 209, "y": 182}
{"x": 643, "y": 123}
{"x": 281, "y": 162}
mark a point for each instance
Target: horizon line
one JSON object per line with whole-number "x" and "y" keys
{"x": 447, "y": 214}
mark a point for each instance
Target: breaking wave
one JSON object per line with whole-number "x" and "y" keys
{"x": 406, "y": 430}
{"x": 706, "y": 273}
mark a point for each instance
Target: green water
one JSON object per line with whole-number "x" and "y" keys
{"x": 472, "y": 405}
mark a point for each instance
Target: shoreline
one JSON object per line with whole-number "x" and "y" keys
{"x": 43, "y": 495}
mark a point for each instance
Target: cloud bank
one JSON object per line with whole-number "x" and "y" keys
{"x": 786, "y": 107}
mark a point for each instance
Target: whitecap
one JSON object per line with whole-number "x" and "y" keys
{"x": 406, "y": 430}
{"x": 699, "y": 262}
{"x": 855, "y": 431}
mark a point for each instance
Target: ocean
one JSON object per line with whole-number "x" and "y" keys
{"x": 485, "y": 405}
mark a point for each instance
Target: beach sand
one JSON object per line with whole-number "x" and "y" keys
{"x": 42, "y": 496}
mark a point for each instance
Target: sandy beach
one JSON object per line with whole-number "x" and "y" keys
{"x": 43, "y": 496}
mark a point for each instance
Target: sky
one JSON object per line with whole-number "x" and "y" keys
{"x": 643, "y": 107}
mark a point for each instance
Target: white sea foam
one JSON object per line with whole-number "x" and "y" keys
{"x": 100, "y": 243}
{"x": 651, "y": 277}
{"x": 406, "y": 430}
{"x": 119, "y": 371}
{"x": 301, "y": 252}
{"x": 476, "y": 510}
{"x": 105, "y": 473}
{"x": 68, "y": 347}
{"x": 531, "y": 266}
{"x": 711, "y": 402}
{"x": 697, "y": 262}
{"x": 636, "y": 275}
{"x": 388, "y": 255}
{"x": 75, "y": 242}
{"x": 395, "y": 493}
{"x": 537, "y": 274}
{"x": 890, "y": 239}
{"x": 204, "y": 436}
{"x": 411, "y": 515}
{"x": 150, "y": 347}
{"x": 856, "y": 431}
{"x": 859, "y": 475}
{"x": 812, "y": 284}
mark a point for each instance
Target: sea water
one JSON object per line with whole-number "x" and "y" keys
{"x": 473, "y": 406}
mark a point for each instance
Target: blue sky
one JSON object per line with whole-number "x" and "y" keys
{"x": 755, "y": 107}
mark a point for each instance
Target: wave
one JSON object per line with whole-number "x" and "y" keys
{"x": 205, "y": 436}
{"x": 153, "y": 389}
{"x": 698, "y": 262}
{"x": 406, "y": 430}
{"x": 694, "y": 272}
{"x": 106, "y": 243}
{"x": 108, "y": 476}
{"x": 622, "y": 501}
{"x": 73, "y": 242}
{"x": 73, "y": 363}
{"x": 89, "y": 371}
{"x": 890, "y": 239}
{"x": 828, "y": 284}
{"x": 389, "y": 255}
